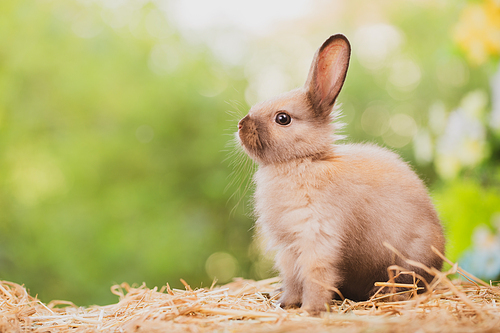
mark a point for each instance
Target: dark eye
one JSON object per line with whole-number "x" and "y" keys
{"x": 283, "y": 119}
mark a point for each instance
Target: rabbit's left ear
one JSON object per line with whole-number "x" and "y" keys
{"x": 327, "y": 74}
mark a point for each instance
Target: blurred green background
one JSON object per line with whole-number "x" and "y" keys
{"x": 116, "y": 121}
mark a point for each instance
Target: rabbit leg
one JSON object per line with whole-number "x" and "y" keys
{"x": 317, "y": 294}
{"x": 291, "y": 286}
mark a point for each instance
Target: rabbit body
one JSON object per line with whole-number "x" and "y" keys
{"x": 326, "y": 209}
{"x": 327, "y": 219}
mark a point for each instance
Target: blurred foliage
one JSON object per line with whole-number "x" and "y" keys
{"x": 468, "y": 205}
{"x": 478, "y": 32}
{"x": 110, "y": 168}
{"x": 114, "y": 128}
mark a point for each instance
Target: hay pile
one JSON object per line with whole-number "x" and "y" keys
{"x": 246, "y": 306}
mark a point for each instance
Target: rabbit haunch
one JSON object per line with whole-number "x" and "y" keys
{"x": 327, "y": 209}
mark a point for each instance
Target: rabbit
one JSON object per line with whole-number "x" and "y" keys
{"x": 327, "y": 209}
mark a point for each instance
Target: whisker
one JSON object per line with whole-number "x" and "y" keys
{"x": 240, "y": 178}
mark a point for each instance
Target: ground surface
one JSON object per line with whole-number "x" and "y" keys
{"x": 246, "y": 306}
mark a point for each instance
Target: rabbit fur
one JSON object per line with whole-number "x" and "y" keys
{"x": 326, "y": 209}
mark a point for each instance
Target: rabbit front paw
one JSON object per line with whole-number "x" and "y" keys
{"x": 290, "y": 299}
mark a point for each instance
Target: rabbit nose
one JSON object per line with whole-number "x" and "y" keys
{"x": 240, "y": 124}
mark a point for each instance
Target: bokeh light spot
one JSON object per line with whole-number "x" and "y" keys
{"x": 452, "y": 72}
{"x": 221, "y": 266}
{"x": 395, "y": 140}
{"x": 374, "y": 44}
{"x": 144, "y": 133}
{"x": 375, "y": 120}
{"x": 405, "y": 74}
{"x": 164, "y": 59}
{"x": 86, "y": 25}
{"x": 156, "y": 24}
{"x": 403, "y": 125}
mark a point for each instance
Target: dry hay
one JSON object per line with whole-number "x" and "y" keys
{"x": 246, "y": 306}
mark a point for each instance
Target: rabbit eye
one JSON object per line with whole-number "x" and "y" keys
{"x": 283, "y": 119}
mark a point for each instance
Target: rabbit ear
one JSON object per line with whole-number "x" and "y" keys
{"x": 327, "y": 73}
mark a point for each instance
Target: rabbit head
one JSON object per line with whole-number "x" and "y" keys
{"x": 299, "y": 123}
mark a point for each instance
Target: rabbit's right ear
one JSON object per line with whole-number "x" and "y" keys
{"x": 327, "y": 74}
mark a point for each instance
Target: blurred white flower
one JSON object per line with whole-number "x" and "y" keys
{"x": 423, "y": 147}
{"x": 437, "y": 117}
{"x": 483, "y": 259}
{"x": 495, "y": 101}
{"x": 463, "y": 143}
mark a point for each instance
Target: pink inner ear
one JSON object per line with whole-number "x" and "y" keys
{"x": 332, "y": 64}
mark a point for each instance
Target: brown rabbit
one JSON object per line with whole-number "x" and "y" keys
{"x": 325, "y": 208}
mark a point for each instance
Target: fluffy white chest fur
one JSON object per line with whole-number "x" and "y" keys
{"x": 291, "y": 203}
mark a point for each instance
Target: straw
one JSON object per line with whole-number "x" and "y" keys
{"x": 246, "y": 306}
